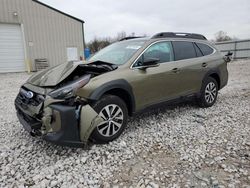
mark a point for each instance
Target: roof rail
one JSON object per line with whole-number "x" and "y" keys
{"x": 128, "y": 38}
{"x": 179, "y": 35}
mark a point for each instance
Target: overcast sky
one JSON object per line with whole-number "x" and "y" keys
{"x": 108, "y": 17}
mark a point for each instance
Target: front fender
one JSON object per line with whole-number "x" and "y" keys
{"x": 115, "y": 84}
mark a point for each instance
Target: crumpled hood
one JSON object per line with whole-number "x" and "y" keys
{"x": 54, "y": 75}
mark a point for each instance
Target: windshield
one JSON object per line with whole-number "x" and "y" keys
{"x": 118, "y": 53}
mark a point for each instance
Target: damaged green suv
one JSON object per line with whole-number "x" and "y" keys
{"x": 73, "y": 103}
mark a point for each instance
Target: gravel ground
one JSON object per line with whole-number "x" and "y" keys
{"x": 178, "y": 146}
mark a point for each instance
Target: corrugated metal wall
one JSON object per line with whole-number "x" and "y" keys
{"x": 240, "y": 48}
{"x": 47, "y": 33}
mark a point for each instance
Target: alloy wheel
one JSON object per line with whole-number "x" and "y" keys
{"x": 113, "y": 119}
{"x": 210, "y": 92}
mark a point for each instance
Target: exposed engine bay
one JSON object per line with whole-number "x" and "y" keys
{"x": 93, "y": 69}
{"x": 60, "y": 75}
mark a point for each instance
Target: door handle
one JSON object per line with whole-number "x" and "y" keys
{"x": 175, "y": 70}
{"x": 204, "y": 64}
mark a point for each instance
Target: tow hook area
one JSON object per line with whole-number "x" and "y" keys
{"x": 35, "y": 132}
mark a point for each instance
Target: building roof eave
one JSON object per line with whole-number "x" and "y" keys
{"x": 58, "y": 11}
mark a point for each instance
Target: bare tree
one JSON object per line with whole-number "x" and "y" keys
{"x": 222, "y": 36}
{"x": 98, "y": 43}
{"x": 120, "y": 36}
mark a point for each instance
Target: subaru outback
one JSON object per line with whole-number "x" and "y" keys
{"x": 73, "y": 103}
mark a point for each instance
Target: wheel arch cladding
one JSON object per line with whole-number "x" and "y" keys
{"x": 216, "y": 77}
{"x": 120, "y": 88}
{"x": 215, "y": 73}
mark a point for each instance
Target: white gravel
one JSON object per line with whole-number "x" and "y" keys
{"x": 178, "y": 146}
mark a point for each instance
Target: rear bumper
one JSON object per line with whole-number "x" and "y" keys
{"x": 67, "y": 135}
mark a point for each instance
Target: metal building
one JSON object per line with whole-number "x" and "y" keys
{"x": 31, "y": 30}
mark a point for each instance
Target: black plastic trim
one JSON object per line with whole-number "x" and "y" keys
{"x": 166, "y": 103}
{"x": 179, "y": 35}
{"x": 69, "y": 134}
{"x": 194, "y": 43}
{"x": 27, "y": 126}
{"x": 28, "y": 122}
{"x": 116, "y": 84}
{"x": 210, "y": 72}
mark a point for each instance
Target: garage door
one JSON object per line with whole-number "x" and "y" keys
{"x": 11, "y": 48}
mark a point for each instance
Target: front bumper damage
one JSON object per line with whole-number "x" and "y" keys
{"x": 57, "y": 122}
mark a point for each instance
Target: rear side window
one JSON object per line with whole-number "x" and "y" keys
{"x": 197, "y": 50}
{"x": 206, "y": 50}
{"x": 183, "y": 50}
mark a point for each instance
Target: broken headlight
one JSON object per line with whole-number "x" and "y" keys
{"x": 70, "y": 89}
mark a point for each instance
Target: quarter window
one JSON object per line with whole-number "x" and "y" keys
{"x": 162, "y": 51}
{"x": 206, "y": 50}
{"x": 183, "y": 50}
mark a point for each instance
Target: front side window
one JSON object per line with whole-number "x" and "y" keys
{"x": 183, "y": 50}
{"x": 118, "y": 53}
{"x": 162, "y": 51}
{"x": 206, "y": 50}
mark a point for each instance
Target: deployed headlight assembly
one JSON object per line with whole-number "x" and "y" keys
{"x": 70, "y": 89}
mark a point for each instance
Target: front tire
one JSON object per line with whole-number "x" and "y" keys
{"x": 115, "y": 114}
{"x": 209, "y": 92}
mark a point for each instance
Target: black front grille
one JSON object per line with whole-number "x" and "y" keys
{"x": 23, "y": 100}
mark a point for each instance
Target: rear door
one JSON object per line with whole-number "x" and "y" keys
{"x": 189, "y": 67}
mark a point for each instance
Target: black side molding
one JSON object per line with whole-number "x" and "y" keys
{"x": 115, "y": 84}
{"x": 210, "y": 72}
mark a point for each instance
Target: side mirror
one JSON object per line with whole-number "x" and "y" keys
{"x": 150, "y": 62}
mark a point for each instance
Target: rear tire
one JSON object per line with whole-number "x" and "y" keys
{"x": 209, "y": 92}
{"x": 115, "y": 113}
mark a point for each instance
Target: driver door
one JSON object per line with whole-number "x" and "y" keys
{"x": 155, "y": 84}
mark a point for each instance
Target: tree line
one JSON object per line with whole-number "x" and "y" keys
{"x": 98, "y": 43}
